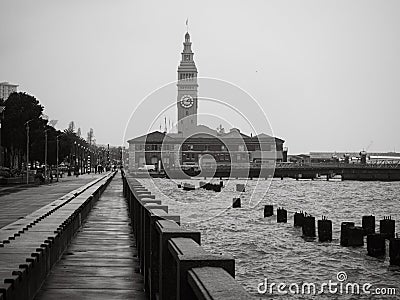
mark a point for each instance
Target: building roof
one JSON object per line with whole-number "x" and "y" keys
{"x": 152, "y": 137}
{"x": 7, "y": 83}
{"x": 204, "y": 133}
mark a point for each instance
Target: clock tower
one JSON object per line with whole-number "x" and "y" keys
{"x": 187, "y": 90}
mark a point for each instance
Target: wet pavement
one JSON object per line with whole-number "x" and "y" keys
{"x": 101, "y": 262}
{"x": 18, "y": 201}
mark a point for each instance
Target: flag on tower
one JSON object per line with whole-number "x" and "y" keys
{"x": 187, "y": 21}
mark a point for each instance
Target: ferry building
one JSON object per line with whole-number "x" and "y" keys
{"x": 199, "y": 145}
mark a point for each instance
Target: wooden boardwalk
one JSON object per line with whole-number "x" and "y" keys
{"x": 101, "y": 262}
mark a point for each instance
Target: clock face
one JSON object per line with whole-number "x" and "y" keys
{"x": 187, "y": 101}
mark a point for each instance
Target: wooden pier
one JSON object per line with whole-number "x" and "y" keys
{"x": 110, "y": 239}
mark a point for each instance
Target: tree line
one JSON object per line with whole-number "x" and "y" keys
{"x": 22, "y": 110}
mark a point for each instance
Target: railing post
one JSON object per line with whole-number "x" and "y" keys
{"x": 167, "y": 266}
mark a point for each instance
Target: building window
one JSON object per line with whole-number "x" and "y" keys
{"x": 222, "y": 147}
{"x": 238, "y": 157}
{"x": 241, "y": 148}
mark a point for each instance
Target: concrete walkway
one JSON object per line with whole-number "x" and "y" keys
{"x": 101, "y": 262}
{"x": 18, "y": 201}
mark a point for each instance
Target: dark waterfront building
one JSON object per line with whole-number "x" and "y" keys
{"x": 204, "y": 149}
{"x": 198, "y": 145}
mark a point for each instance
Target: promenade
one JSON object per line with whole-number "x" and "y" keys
{"x": 107, "y": 239}
{"x": 19, "y": 201}
{"x": 101, "y": 262}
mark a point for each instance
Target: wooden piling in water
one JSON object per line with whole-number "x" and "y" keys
{"x": 240, "y": 187}
{"x": 355, "y": 236}
{"x": 308, "y": 228}
{"x": 368, "y": 224}
{"x": 281, "y": 215}
{"x": 376, "y": 245}
{"x": 236, "y": 203}
{"x": 394, "y": 251}
{"x": 216, "y": 187}
{"x": 344, "y": 227}
{"x": 208, "y": 186}
{"x": 268, "y": 210}
{"x": 324, "y": 230}
{"x": 298, "y": 219}
{"x": 387, "y": 227}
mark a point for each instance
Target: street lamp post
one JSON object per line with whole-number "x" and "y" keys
{"x": 78, "y": 158}
{"x": 84, "y": 160}
{"x": 1, "y": 148}
{"x": 57, "y": 155}
{"x": 27, "y": 151}
{"x": 45, "y": 155}
{"x": 74, "y": 157}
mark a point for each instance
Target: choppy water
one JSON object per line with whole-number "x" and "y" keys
{"x": 263, "y": 248}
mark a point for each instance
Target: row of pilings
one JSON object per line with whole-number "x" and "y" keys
{"x": 350, "y": 234}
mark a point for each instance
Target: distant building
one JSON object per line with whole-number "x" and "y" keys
{"x": 233, "y": 148}
{"x": 299, "y": 158}
{"x": 6, "y": 89}
{"x": 195, "y": 144}
{"x": 352, "y": 157}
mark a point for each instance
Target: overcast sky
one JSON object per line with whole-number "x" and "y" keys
{"x": 326, "y": 73}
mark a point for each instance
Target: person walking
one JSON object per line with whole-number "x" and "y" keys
{"x": 76, "y": 171}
